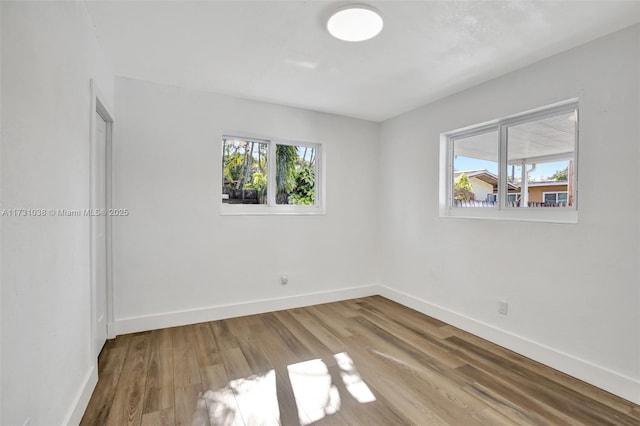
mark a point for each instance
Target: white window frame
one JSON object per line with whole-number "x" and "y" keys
{"x": 272, "y": 208}
{"x": 544, "y": 194}
{"x": 502, "y": 211}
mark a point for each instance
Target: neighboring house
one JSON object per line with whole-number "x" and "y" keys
{"x": 554, "y": 191}
{"x": 485, "y": 186}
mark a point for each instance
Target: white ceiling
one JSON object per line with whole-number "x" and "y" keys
{"x": 279, "y": 51}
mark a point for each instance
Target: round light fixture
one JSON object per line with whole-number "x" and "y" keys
{"x": 356, "y": 22}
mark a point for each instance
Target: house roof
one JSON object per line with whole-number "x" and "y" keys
{"x": 485, "y": 176}
{"x": 492, "y": 179}
{"x": 549, "y": 183}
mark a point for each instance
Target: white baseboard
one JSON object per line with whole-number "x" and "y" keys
{"x": 613, "y": 382}
{"x": 173, "y": 319}
{"x": 80, "y": 402}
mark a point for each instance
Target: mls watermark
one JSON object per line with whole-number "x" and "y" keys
{"x": 63, "y": 212}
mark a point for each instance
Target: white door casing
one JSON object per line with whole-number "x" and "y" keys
{"x": 100, "y": 202}
{"x": 100, "y": 230}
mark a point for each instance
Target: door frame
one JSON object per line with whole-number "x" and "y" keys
{"x": 100, "y": 105}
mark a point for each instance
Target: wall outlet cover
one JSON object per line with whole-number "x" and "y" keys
{"x": 503, "y": 307}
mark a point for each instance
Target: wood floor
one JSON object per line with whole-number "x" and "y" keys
{"x": 360, "y": 362}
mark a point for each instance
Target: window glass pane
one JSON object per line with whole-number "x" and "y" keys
{"x": 475, "y": 170}
{"x": 540, "y": 159}
{"x": 513, "y": 197}
{"x": 295, "y": 175}
{"x": 244, "y": 171}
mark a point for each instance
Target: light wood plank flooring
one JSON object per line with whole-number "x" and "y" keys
{"x": 367, "y": 361}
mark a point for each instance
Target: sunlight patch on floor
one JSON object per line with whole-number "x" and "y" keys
{"x": 315, "y": 394}
{"x": 249, "y": 400}
{"x": 254, "y": 399}
{"x": 352, "y": 380}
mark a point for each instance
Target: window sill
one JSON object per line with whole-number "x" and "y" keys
{"x": 549, "y": 215}
{"x": 263, "y": 210}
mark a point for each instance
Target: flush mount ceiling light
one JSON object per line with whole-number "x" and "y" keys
{"x": 356, "y": 22}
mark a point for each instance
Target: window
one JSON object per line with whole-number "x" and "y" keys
{"x": 264, "y": 176}
{"x": 244, "y": 171}
{"x": 475, "y": 169}
{"x": 513, "y": 198}
{"x": 515, "y": 168}
{"x": 555, "y": 197}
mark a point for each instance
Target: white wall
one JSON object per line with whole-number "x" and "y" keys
{"x": 480, "y": 188}
{"x": 177, "y": 259}
{"x": 573, "y": 290}
{"x": 49, "y": 54}
{"x": 1, "y": 137}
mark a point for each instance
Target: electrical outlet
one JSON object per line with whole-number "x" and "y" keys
{"x": 284, "y": 280}
{"x": 503, "y": 307}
